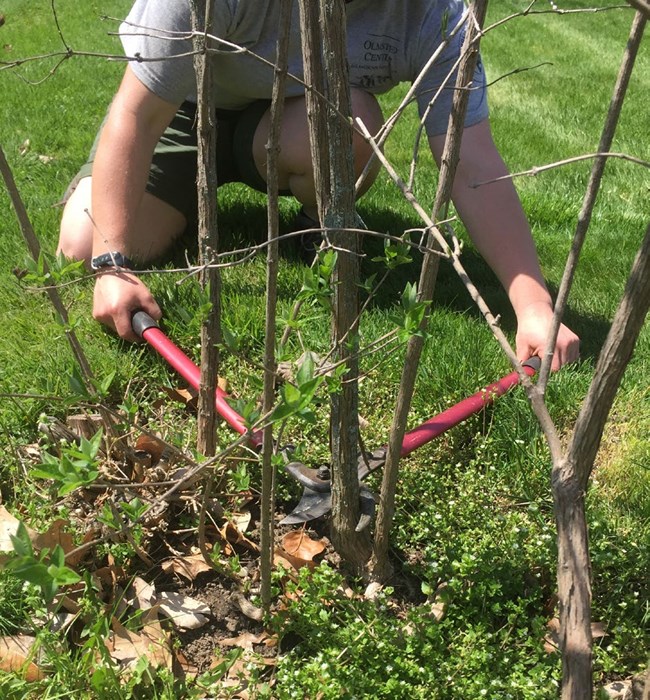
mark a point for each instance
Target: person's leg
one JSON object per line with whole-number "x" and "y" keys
{"x": 168, "y": 204}
{"x": 158, "y": 224}
{"x": 295, "y": 167}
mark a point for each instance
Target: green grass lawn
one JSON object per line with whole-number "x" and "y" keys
{"x": 474, "y": 509}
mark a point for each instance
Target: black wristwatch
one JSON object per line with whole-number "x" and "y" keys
{"x": 114, "y": 259}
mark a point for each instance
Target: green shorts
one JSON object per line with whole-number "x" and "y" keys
{"x": 172, "y": 176}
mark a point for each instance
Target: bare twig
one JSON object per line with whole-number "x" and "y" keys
{"x": 35, "y": 249}
{"x": 268, "y": 445}
{"x": 584, "y": 217}
{"x": 537, "y": 169}
{"x": 571, "y": 475}
{"x": 208, "y": 233}
{"x": 380, "y": 565}
{"x": 641, "y": 6}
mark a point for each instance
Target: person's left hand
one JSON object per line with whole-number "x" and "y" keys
{"x": 533, "y": 324}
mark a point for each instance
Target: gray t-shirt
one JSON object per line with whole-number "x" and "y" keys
{"x": 389, "y": 42}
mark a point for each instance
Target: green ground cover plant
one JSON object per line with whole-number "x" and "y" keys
{"x": 468, "y": 613}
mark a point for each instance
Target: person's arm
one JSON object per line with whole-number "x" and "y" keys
{"x": 136, "y": 120}
{"x": 496, "y": 222}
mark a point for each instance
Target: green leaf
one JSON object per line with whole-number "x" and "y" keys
{"x": 107, "y": 517}
{"x": 21, "y": 542}
{"x": 230, "y": 339}
{"x": 104, "y": 385}
{"x": 291, "y": 394}
{"x": 134, "y": 509}
{"x": 306, "y": 371}
{"x": 77, "y": 384}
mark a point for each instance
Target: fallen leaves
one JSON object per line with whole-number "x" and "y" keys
{"x": 183, "y": 611}
{"x": 552, "y": 638}
{"x": 8, "y": 529}
{"x": 127, "y": 647}
{"x": 189, "y": 566}
{"x": 16, "y": 654}
{"x": 247, "y": 640}
{"x": 299, "y": 549}
{"x": 232, "y": 535}
{"x": 55, "y": 535}
{"x": 150, "y": 446}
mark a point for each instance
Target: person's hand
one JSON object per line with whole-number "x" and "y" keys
{"x": 118, "y": 295}
{"x": 533, "y": 325}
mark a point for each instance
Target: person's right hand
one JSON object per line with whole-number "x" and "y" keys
{"x": 118, "y": 295}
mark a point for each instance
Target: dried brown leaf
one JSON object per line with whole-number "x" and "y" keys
{"x": 300, "y": 549}
{"x": 280, "y": 559}
{"x": 109, "y": 576}
{"x": 239, "y": 674}
{"x": 189, "y": 567}
{"x": 373, "y": 589}
{"x": 440, "y": 602}
{"x": 231, "y": 534}
{"x": 184, "y": 396}
{"x": 126, "y": 647}
{"x": 185, "y": 612}
{"x": 245, "y": 640}
{"x": 142, "y": 595}
{"x": 187, "y": 668}
{"x": 16, "y": 655}
{"x": 8, "y": 527}
{"x": 70, "y": 597}
{"x": 241, "y": 520}
{"x": 56, "y": 534}
{"x": 552, "y": 638}
{"x": 150, "y": 445}
{"x": 599, "y": 630}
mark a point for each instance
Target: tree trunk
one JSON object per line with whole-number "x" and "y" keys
{"x": 380, "y": 565}
{"x": 324, "y": 43}
{"x": 570, "y": 479}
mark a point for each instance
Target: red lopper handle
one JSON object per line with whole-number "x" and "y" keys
{"x": 147, "y": 329}
{"x": 431, "y": 429}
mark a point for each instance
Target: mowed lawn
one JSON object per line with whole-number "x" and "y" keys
{"x": 474, "y": 511}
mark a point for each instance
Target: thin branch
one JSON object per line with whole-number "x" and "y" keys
{"x": 58, "y": 26}
{"x": 537, "y": 169}
{"x": 641, "y": 6}
{"x": 208, "y": 232}
{"x": 35, "y": 249}
{"x": 584, "y": 217}
{"x": 267, "y": 504}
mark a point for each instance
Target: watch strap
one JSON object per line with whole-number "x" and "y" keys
{"x": 112, "y": 259}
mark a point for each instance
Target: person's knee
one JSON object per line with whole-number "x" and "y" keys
{"x": 76, "y": 230}
{"x": 295, "y": 165}
{"x": 157, "y": 223}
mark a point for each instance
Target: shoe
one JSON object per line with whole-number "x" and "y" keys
{"x": 310, "y": 241}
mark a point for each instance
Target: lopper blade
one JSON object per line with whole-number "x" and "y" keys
{"x": 312, "y": 505}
